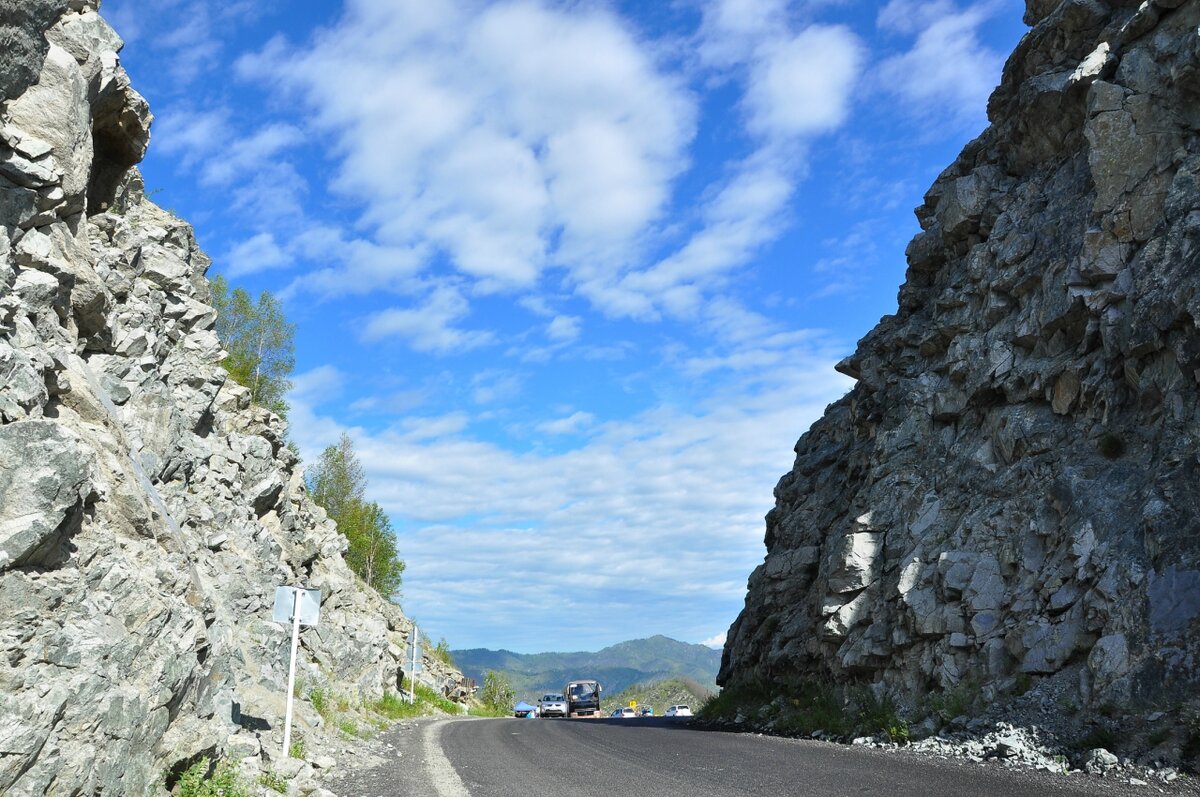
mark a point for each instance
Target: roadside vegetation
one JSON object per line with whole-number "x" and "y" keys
{"x": 496, "y": 696}
{"x": 338, "y": 484}
{"x": 806, "y": 708}
{"x": 441, "y": 652}
{"x": 204, "y": 779}
{"x": 363, "y": 719}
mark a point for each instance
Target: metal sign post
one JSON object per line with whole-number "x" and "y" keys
{"x": 412, "y": 674}
{"x": 299, "y": 606}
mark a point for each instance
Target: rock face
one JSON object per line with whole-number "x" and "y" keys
{"x": 147, "y": 509}
{"x": 1009, "y": 492}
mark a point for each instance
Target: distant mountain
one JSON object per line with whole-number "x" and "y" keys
{"x": 617, "y": 667}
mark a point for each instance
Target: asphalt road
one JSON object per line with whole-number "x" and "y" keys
{"x": 659, "y": 757}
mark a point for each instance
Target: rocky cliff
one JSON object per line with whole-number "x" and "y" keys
{"x": 147, "y": 510}
{"x": 1009, "y": 494}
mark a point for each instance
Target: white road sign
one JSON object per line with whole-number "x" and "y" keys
{"x": 309, "y": 604}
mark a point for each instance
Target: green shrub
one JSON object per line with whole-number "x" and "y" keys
{"x": 482, "y": 710}
{"x": 392, "y": 706}
{"x": 224, "y": 782}
{"x": 348, "y": 727}
{"x": 320, "y": 701}
{"x": 879, "y": 715}
{"x": 441, "y": 652}
{"x": 428, "y": 696}
{"x": 801, "y": 708}
{"x": 733, "y": 699}
{"x": 296, "y": 750}
{"x": 1190, "y": 749}
{"x": 274, "y": 782}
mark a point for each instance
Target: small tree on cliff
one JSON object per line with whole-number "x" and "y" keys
{"x": 338, "y": 480}
{"x": 260, "y": 342}
{"x": 338, "y": 484}
{"x": 372, "y": 552}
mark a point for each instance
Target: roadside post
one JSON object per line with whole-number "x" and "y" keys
{"x": 412, "y": 673}
{"x": 296, "y": 605}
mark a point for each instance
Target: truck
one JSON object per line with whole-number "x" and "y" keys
{"x": 583, "y": 698}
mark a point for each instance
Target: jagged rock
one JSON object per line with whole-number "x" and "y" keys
{"x": 1099, "y": 761}
{"x": 1009, "y": 489}
{"x": 41, "y": 505}
{"x": 147, "y": 510}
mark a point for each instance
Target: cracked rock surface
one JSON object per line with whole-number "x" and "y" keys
{"x": 1008, "y": 495}
{"x": 147, "y": 510}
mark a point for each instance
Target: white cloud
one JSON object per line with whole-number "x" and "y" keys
{"x": 667, "y": 491}
{"x": 563, "y": 328}
{"x": 430, "y": 327}
{"x": 529, "y": 134}
{"x": 491, "y": 386}
{"x": 802, "y": 86}
{"x": 948, "y": 73}
{"x": 715, "y": 641}
{"x": 747, "y": 213}
{"x": 191, "y": 133}
{"x": 572, "y": 424}
{"x": 733, "y": 29}
{"x": 317, "y": 386}
{"x": 238, "y": 157}
{"x": 192, "y": 44}
{"x": 256, "y": 254}
{"x": 797, "y": 85}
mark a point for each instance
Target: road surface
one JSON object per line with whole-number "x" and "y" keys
{"x": 659, "y": 757}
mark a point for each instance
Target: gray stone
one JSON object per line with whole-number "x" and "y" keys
{"x": 147, "y": 508}
{"x": 1023, "y": 425}
{"x": 41, "y": 506}
{"x": 1098, "y": 761}
{"x": 25, "y": 22}
{"x": 56, "y": 110}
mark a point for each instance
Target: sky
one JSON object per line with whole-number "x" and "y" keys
{"x": 573, "y": 276}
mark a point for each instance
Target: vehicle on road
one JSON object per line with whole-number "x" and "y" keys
{"x": 552, "y": 705}
{"x": 678, "y": 711}
{"x": 626, "y": 713}
{"x": 646, "y": 711}
{"x": 583, "y": 698}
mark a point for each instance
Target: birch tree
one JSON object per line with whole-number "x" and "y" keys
{"x": 338, "y": 484}
{"x": 260, "y": 342}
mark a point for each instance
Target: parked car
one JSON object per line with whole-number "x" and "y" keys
{"x": 552, "y": 705}
{"x": 646, "y": 711}
{"x": 679, "y": 711}
{"x": 623, "y": 713}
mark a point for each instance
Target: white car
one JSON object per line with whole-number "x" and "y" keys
{"x": 678, "y": 711}
{"x": 552, "y": 705}
{"x": 623, "y": 713}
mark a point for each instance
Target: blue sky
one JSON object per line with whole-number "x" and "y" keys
{"x": 572, "y": 275}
